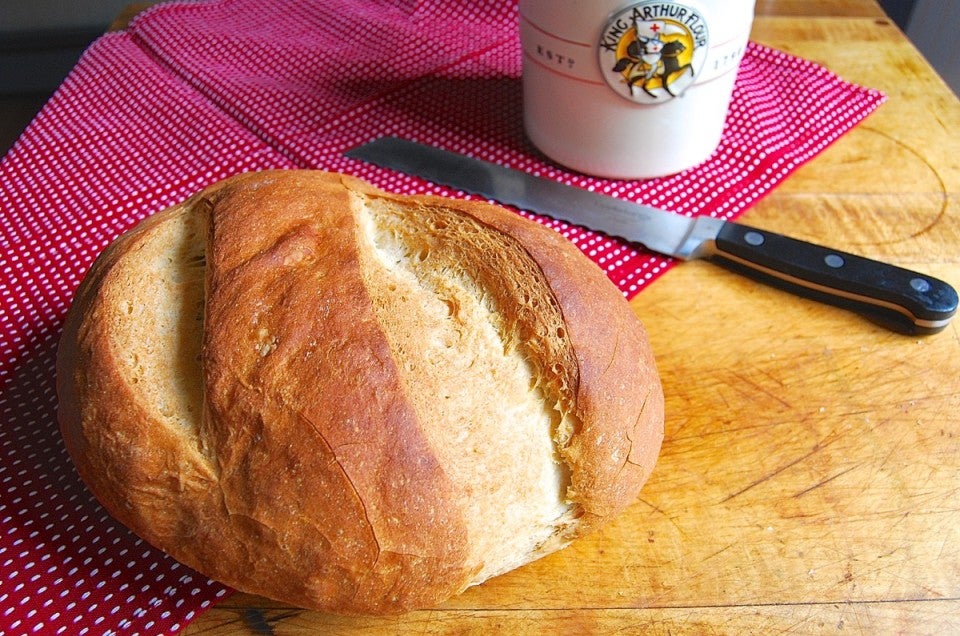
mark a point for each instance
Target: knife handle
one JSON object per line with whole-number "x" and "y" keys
{"x": 898, "y": 298}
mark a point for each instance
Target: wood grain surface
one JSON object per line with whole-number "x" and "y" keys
{"x": 810, "y": 478}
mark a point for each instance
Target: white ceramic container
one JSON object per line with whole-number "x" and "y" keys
{"x": 630, "y": 90}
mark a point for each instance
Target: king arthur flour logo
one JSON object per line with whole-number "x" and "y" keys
{"x": 651, "y": 52}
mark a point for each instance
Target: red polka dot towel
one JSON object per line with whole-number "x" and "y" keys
{"x": 192, "y": 93}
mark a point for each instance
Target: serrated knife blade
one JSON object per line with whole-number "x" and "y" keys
{"x": 898, "y": 298}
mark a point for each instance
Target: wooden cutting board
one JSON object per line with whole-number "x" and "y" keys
{"x": 810, "y": 477}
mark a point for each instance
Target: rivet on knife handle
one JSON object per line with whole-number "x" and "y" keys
{"x": 897, "y": 297}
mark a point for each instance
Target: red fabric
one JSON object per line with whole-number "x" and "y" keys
{"x": 192, "y": 93}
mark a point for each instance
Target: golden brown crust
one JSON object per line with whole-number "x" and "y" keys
{"x": 302, "y": 463}
{"x": 378, "y": 511}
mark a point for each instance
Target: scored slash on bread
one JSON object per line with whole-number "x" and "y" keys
{"x": 352, "y": 401}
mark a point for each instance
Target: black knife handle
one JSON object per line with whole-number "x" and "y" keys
{"x": 898, "y": 298}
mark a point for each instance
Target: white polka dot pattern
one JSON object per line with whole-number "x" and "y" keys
{"x": 195, "y": 92}
{"x": 121, "y": 139}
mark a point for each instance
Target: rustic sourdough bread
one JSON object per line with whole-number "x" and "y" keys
{"x": 352, "y": 401}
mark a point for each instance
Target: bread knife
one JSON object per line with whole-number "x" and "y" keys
{"x": 900, "y": 299}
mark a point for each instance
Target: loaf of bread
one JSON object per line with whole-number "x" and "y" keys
{"x": 352, "y": 401}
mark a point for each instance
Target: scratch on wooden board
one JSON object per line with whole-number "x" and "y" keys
{"x": 943, "y": 191}
{"x": 824, "y": 481}
{"x": 720, "y": 551}
{"x": 772, "y": 474}
{"x": 761, "y": 389}
{"x": 665, "y": 516}
{"x": 887, "y": 569}
{"x": 652, "y": 506}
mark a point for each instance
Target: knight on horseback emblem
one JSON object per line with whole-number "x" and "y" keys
{"x": 652, "y": 51}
